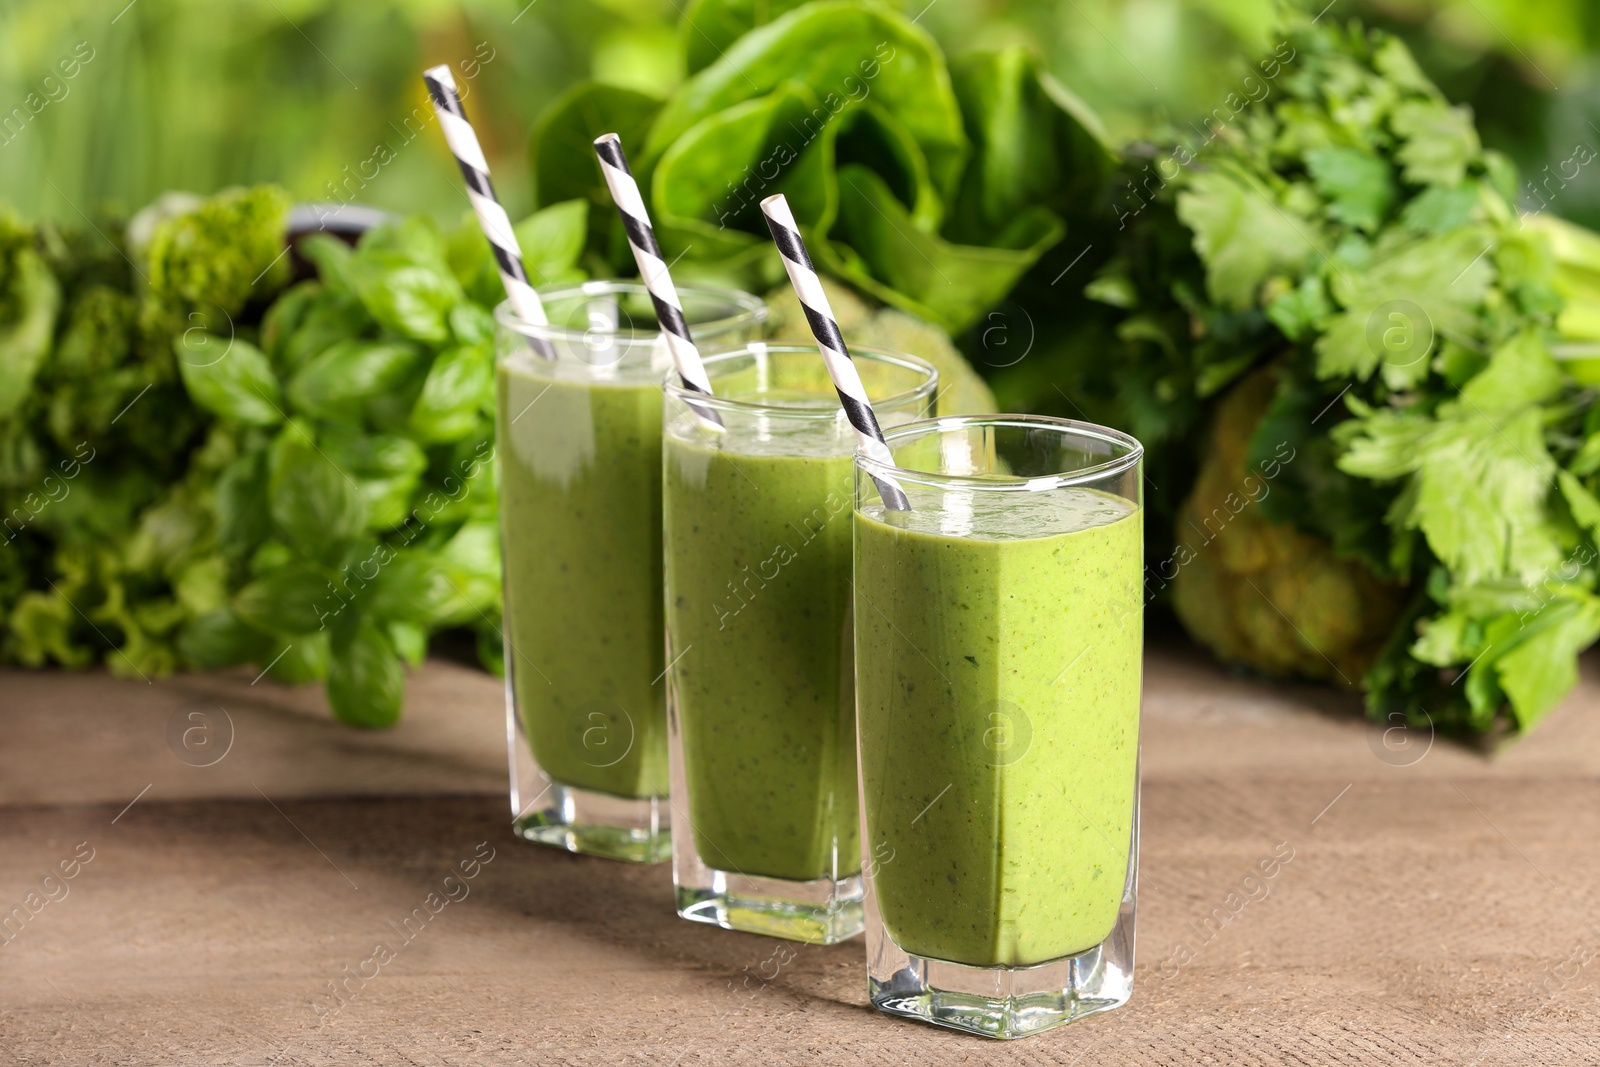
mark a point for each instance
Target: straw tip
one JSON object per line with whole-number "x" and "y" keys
{"x": 440, "y": 73}
{"x": 776, "y": 199}
{"x": 607, "y": 138}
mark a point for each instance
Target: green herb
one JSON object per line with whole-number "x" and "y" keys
{"x": 345, "y": 520}
{"x": 312, "y": 495}
{"x": 1399, "y": 489}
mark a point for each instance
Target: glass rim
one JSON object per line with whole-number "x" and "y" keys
{"x": 672, "y": 386}
{"x": 999, "y": 482}
{"x": 752, "y": 309}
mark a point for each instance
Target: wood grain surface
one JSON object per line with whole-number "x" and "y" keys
{"x": 1439, "y": 906}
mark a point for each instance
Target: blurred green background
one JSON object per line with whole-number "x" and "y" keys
{"x": 200, "y": 94}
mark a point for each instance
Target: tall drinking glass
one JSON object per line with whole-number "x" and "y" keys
{"x": 579, "y": 448}
{"x": 761, "y": 709}
{"x": 998, "y": 653}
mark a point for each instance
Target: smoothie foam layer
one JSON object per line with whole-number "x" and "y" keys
{"x": 998, "y": 652}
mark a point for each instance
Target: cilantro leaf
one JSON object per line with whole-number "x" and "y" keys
{"x": 1440, "y": 142}
{"x": 1242, "y": 235}
{"x": 1359, "y": 185}
{"x": 1542, "y": 666}
{"x": 1481, "y": 485}
{"x": 1444, "y": 278}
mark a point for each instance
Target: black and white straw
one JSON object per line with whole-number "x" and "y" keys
{"x": 463, "y": 142}
{"x": 653, "y": 271}
{"x": 841, "y": 368}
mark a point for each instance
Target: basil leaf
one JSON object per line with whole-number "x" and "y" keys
{"x": 221, "y": 638}
{"x": 315, "y": 505}
{"x": 409, "y": 298}
{"x": 294, "y": 599}
{"x": 552, "y": 238}
{"x": 470, "y": 561}
{"x": 410, "y": 642}
{"x": 386, "y": 470}
{"x": 229, "y": 377}
{"x": 243, "y": 518}
{"x": 333, "y": 384}
{"x": 331, "y": 257}
{"x": 454, "y": 393}
{"x": 471, "y": 324}
{"x": 286, "y": 315}
{"x": 328, "y": 319}
{"x": 300, "y": 660}
{"x": 411, "y": 588}
{"x": 415, "y": 239}
{"x": 552, "y": 241}
{"x": 366, "y": 680}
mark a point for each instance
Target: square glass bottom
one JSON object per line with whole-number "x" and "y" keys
{"x": 818, "y": 911}
{"x": 823, "y": 911}
{"x": 1007, "y": 1002}
{"x": 548, "y": 812}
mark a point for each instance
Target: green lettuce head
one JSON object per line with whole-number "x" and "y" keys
{"x": 932, "y": 185}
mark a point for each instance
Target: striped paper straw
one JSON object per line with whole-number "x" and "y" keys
{"x": 841, "y": 368}
{"x": 653, "y": 271}
{"x": 463, "y": 142}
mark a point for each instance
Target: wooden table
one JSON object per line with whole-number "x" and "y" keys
{"x": 1439, "y": 906}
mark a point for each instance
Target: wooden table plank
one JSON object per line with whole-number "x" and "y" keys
{"x": 1437, "y": 912}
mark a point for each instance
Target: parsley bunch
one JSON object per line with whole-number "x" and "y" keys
{"x": 1343, "y": 260}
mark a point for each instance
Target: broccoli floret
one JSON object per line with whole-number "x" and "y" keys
{"x": 223, "y": 252}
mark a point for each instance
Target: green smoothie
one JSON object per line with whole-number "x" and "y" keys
{"x": 580, "y": 503}
{"x": 998, "y": 646}
{"x": 758, "y": 606}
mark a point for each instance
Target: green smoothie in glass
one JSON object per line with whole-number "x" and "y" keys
{"x": 580, "y": 511}
{"x": 579, "y": 486}
{"x": 998, "y": 650}
{"x": 757, "y": 528}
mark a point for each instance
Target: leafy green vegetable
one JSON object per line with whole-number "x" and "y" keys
{"x": 106, "y": 541}
{"x": 229, "y": 377}
{"x": 448, "y": 408}
{"x": 410, "y": 298}
{"x": 333, "y": 384}
{"x": 286, "y": 600}
{"x": 221, "y": 638}
{"x": 314, "y": 505}
{"x": 193, "y": 477}
{"x": 379, "y": 525}
{"x": 1358, "y": 185}
{"x": 366, "y": 679}
{"x": 933, "y": 187}
{"x": 1242, "y": 234}
{"x": 28, "y": 307}
{"x": 1343, "y": 268}
{"x": 1438, "y": 142}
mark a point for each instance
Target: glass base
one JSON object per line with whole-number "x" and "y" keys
{"x": 1008, "y": 1002}
{"x": 547, "y": 812}
{"x": 819, "y": 912}
{"x": 597, "y": 824}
